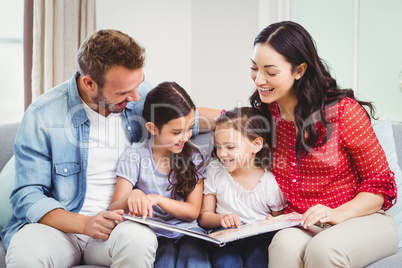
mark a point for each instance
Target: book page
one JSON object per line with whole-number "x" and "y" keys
{"x": 153, "y": 223}
{"x": 221, "y": 237}
{"x": 258, "y": 227}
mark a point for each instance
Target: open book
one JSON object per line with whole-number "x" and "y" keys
{"x": 227, "y": 235}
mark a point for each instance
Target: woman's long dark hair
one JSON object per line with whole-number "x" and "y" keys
{"x": 165, "y": 102}
{"x": 252, "y": 124}
{"x": 315, "y": 90}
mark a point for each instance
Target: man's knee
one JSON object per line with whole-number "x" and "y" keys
{"x": 37, "y": 245}
{"x": 24, "y": 257}
{"x": 37, "y": 256}
{"x": 135, "y": 235}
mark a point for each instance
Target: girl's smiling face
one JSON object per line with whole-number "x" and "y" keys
{"x": 272, "y": 74}
{"x": 233, "y": 149}
{"x": 174, "y": 134}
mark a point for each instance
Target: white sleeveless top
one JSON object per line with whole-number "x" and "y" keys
{"x": 249, "y": 205}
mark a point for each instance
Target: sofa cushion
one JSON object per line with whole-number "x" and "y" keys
{"x": 7, "y": 184}
{"x": 7, "y": 134}
{"x": 384, "y": 134}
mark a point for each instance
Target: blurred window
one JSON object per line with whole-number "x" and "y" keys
{"x": 11, "y": 61}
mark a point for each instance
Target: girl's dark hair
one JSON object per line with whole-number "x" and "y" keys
{"x": 165, "y": 102}
{"x": 252, "y": 124}
{"x": 315, "y": 90}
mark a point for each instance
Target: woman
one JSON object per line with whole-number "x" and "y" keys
{"x": 326, "y": 157}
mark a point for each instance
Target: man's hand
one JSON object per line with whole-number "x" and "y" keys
{"x": 102, "y": 224}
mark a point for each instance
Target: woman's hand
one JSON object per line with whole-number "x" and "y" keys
{"x": 362, "y": 204}
{"x": 322, "y": 214}
{"x": 142, "y": 205}
{"x": 230, "y": 220}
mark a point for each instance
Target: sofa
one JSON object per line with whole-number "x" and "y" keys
{"x": 389, "y": 134}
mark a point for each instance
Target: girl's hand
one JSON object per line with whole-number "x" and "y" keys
{"x": 141, "y": 205}
{"x": 269, "y": 217}
{"x": 230, "y": 220}
{"x": 321, "y": 213}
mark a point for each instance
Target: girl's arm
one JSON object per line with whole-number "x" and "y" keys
{"x": 274, "y": 214}
{"x": 188, "y": 210}
{"x": 121, "y": 193}
{"x": 130, "y": 200}
{"x": 207, "y": 117}
{"x": 210, "y": 220}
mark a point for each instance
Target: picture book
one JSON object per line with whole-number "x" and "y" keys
{"x": 224, "y": 236}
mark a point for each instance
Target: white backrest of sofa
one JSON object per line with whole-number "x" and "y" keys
{"x": 397, "y": 131}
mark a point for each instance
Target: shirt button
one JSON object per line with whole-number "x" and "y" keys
{"x": 129, "y": 128}
{"x": 65, "y": 170}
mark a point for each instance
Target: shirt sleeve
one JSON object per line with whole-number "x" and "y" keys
{"x": 128, "y": 166}
{"x": 196, "y": 128}
{"x": 358, "y": 136}
{"x": 133, "y": 114}
{"x": 277, "y": 200}
{"x": 209, "y": 182}
{"x": 33, "y": 165}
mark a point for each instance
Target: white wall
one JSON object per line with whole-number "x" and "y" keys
{"x": 367, "y": 59}
{"x": 380, "y": 56}
{"x": 204, "y": 45}
{"x": 162, "y": 27}
{"x": 331, "y": 26}
{"x": 222, "y": 41}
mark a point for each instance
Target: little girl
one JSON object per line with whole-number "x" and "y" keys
{"x": 163, "y": 177}
{"x": 239, "y": 188}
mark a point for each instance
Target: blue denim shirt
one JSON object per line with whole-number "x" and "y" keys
{"x": 51, "y": 154}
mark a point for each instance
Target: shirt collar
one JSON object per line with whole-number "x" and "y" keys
{"x": 77, "y": 111}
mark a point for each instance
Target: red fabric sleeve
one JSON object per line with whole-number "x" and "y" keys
{"x": 358, "y": 136}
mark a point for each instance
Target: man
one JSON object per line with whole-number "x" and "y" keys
{"x": 66, "y": 152}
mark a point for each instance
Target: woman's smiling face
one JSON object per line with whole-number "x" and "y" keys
{"x": 272, "y": 74}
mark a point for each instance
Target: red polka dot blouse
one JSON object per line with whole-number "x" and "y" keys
{"x": 351, "y": 161}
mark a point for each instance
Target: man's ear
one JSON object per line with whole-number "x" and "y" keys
{"x": 300, "y": 70}
{"x": 152, "y": 128}
{"x": 89, "y": 83}
{"x": 257, "y": 144}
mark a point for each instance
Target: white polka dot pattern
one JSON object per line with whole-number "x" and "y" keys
{"x": 351, "y": 161}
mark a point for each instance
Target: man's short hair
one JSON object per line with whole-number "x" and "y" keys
{"x": 106, "y": 49}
